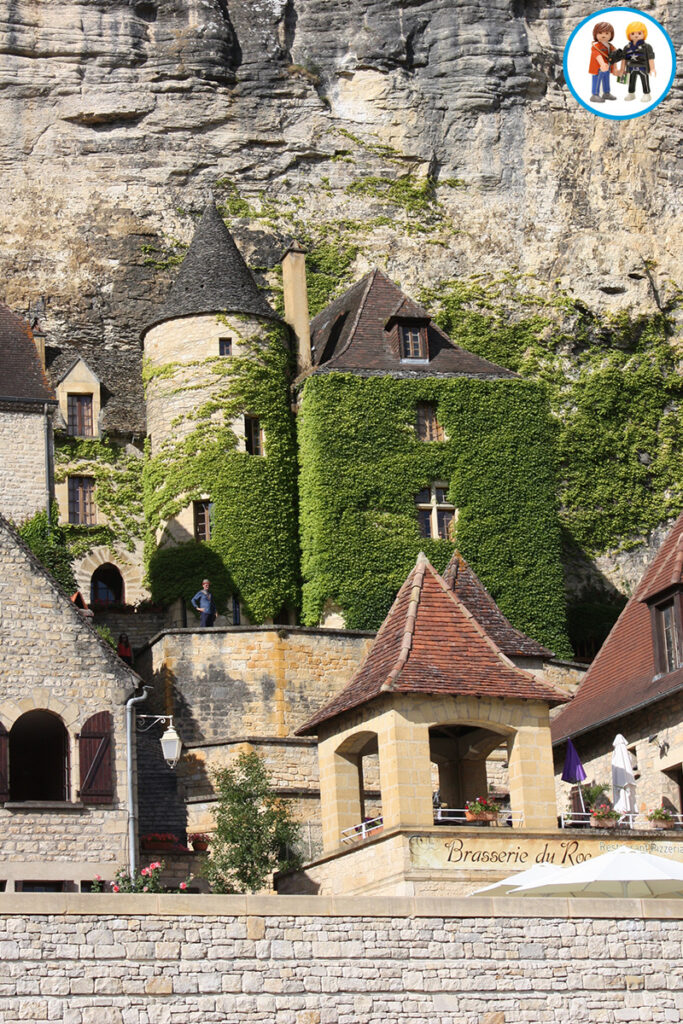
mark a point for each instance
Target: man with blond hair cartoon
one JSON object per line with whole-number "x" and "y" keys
{"x": 638, "y": 60}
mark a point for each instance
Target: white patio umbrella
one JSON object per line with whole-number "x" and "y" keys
{"x": 623, "y": 779}
{"x": 622, "y": 872}
{"x": 538, "y": 873}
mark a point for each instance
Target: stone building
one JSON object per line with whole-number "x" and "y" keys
{"x": 635, "y": 687}
{"x": 27, "y": 408}
{"x": 63, "y": 810}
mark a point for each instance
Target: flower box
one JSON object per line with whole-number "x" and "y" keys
{"x": 662, "y": 823}
{"x": 487, "y": 816}
{"x": 604, "y": 822}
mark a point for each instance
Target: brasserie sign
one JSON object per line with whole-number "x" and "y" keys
{"x": 510, "y": 853}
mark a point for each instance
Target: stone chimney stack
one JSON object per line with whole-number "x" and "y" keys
{"x": 296, "y": 302}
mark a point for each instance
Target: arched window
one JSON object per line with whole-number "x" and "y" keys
{"x": 38, "y": 758}
{"x": 106, "y": 585}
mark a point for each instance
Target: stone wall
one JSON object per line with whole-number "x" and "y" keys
{"x": 51, "y": 660}
{"x": 23, "y": 483}
{"x": 655, "y": 738}
{"x": 213, "y": 960}
{"x": 241, "y": 688}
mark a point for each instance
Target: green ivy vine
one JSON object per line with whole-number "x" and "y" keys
{"x": 614, "y": 388}
{"x": 117, "y": 472}
{"x": 253, "y": 549}
{"x": 362, "y": 465}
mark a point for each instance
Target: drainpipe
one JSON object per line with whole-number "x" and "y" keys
{"x": 48, "y": 465}
{"x": 132, "y": 851}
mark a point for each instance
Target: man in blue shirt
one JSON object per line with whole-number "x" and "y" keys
{"x": 204, "y": 603}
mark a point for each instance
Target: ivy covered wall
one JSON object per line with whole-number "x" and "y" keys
{"x": 253, "y": 550}
{"x": 362, "y": 465}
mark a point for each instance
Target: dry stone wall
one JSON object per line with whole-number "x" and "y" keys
{"x": 224, "y": 960}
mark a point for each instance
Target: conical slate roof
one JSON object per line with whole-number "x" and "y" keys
{"x": 430, "y": 643}
{"x": 464, "y": 582}
{"x": 213, "y": 277}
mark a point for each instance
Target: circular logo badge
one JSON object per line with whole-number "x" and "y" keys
{"x": 619, "y": 63}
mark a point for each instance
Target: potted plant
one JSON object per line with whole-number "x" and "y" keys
{"x": 660, "y": 817}
{"x": 200, "y": 841}
{"x": 604, "y": 816}
{"x": 481, "y": 809}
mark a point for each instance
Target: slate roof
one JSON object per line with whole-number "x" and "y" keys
{"x": 623, "y": 676}
{"x": 120, "y": 373}
{"x": 213, "y": 277}
{"x": 430, "y": 643}
{"x": 463, "y": 581}
{"x": 352, "y": 335}
{"x": 21, "y": 373}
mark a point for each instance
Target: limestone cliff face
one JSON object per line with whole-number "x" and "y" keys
{"x": 119, "y": 118}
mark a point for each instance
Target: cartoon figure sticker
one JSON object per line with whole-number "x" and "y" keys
{"x": 619, "y": 63}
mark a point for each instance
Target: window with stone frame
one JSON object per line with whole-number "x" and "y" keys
{"x": 435, "y": 515}
{"x": 203, "y": 520}
{"x": 413, "y": 341}
{"x": 428, "y": 427}
{"x": 79, "y": 415}
{"x": 81, "y": 500}
{"x": 253, "y": 435}
{"x": 667, "y": 634}
{"x": 225, "y": 346}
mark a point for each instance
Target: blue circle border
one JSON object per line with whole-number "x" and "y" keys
{"x": 599, "y": 113}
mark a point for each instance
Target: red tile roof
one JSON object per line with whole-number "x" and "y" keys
{"x": 430, "y": 643}
{"x": 624, "y": 676}
{"x": 22, "y": 377}
{"x": 353, "y": 334}
{"x": 463, "y": 581}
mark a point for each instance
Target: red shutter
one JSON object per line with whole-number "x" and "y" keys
{"x": 4, "y": 764}
{"x": 97, "y": 781}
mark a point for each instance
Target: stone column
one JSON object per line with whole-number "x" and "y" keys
{"x": 340, "y": 792}
{"x": 405, "y": 771}
{"x": 532, "y": 786}
{"x": 473, "y": 781}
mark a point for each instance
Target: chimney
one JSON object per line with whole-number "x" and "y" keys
{"x": 39, "y": 340}
{"x": 296, "y": 302}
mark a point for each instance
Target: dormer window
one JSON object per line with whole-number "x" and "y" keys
{"x": 667, "y": 633}
{"x": 80, "y": 418}
{"x": 413, "y": 341}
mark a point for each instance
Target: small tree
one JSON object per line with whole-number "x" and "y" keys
{"x": 254, "y": 832}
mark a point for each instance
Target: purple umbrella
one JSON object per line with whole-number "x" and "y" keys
{"x": 573, "y": 770}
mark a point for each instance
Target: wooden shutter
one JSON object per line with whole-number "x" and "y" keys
{"x": 97, "y": 781}
{"x": 4, "y": 764}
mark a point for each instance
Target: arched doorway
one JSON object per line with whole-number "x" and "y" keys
{"x": 38, "y": 758}
{"x": 106, "y": 585}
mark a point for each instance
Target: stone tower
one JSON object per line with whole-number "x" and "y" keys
{"x": 220, "y": 442}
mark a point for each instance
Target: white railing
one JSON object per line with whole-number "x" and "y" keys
{"x": 582, "y": 819}
{"x": 457, "y": 816}
{"x": 362, "y": 830}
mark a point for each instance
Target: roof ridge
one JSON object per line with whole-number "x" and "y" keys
{"x": 489, "y": 640}
{"x": 361, "y": 306}
{"x": 411, "y": 616}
